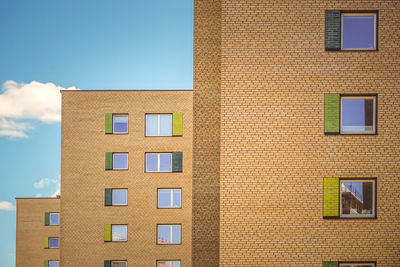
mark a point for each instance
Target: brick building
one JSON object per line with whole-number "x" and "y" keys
{"x": 293, "y": 117}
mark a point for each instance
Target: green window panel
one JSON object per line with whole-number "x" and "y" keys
{"x": 330, "y": 264}
{"x": 107, "y": 263}
{"x": 109, "y": 123}
{"x": 109, "y": 160}
{"x": 47, "y": 218}
{"x": 46, "y": 242}
{"x": 107, "y": 232}
{"x": 108, "y": 197}
{"x": 177, "y": 161}
{"x": 177, "y": 124}
{"x": 331, "y": 197}
{"x": 332, "y": 113}
{"x": 46, "y": 263}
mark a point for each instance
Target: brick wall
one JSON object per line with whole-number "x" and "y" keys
{"x": 274, "y": 154}
{"x": 84, "y": 178}
{"x": 206, "y": 142}
{"x": 31, "y": 231}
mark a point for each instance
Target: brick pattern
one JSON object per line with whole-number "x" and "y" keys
{"x": 332, "y": 30}
{"x": 31, "y": 231}
{"x": 331, "y": 197}
{"x": 84, "y": 178}
{"x": 332, "y": 113}
{"x": 274, "y": 154}
{"x": 206, "y": 142}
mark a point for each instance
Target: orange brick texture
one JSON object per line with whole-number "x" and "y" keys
{"x": 84, "y": 178}
{"x": 206, "y": 142}
{"x": 273, "y": 151}
{"x": 31, "y": 231}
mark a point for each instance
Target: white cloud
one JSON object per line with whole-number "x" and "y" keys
{"x": 38, "y": 195}
{"x": 13, "y": 129}
{"x": 35, "y": 100}
{"x": 43, "y": 182}
{"x": 5, "y": 205}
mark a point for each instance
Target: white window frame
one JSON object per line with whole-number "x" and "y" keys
{"x": 373, "y": 181}
{"x": 112, "y": 198}
{"x": 112, "y": 263}
{"x": 361, "y": 14}
{"x": 127, "y": 161}
{"x": 171, "y": 198}
{"x": 171, "y": 234}
{"x": 159, "y": 123}
{"x": 50, "y": 213}
{"x": 170, "y": 261}
{"x": 112, "y": 225}
{"x": 356, "y": 264}
{"x": 127, "y": 123}
{"x": 158, "y": 162}
{"x": 373, "y": 118}
{"x": 58, "y": 242}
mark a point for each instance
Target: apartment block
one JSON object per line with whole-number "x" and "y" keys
{"x": 286, "y": 152}
{"x": 38, "y": 232}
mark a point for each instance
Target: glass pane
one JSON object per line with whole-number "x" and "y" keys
{"x": 53, "y": 263}
{"x": 151, "y": 125}
{"x": 358, "y": 31}
{"x": 164, "y": 264}
{"x": 120, "y": 161}
{"x": 119, "y": 232}
{"x": 164, "y": 234}
{"x": 164, "y": 198}
{"x": 357, "y": 115}
{"x": 119, "y": 197}
{"x": 166, "y": 125}
{"x": 176, "y": 264}
{"x": 357, "y": 198}
{"x": 165, "y": 162}
{"x": 120, "y": 124}
{"x": 176, "y": 234}
{"x": 119, "y": 264}
{"x": 54, "y": 219}
{"x": 177, "y": 198}
{"x": 53, "y": 243}
{"x": 151, "y": 162}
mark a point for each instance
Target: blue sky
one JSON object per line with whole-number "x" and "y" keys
{"x": 50, "y": 45}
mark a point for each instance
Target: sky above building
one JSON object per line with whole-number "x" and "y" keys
{"x": 49, "y": 45}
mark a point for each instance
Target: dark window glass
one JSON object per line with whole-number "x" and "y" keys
{"x": 357, "y": 198}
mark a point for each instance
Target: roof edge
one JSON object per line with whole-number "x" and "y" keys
{"x": 132, "y": 90}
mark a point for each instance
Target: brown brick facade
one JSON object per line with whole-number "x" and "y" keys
{"x": 274, "y": 154}
{"x": 84, "y": 178}
{"x": 31, "y": 231}
{"x": 206, "y": 143}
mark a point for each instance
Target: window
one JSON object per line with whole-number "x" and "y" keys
{"x": 350, "y": 31}
{"x": 54, "y": 218}
{"x": 120, "y": 123}
{"x": 120, "y": 161}
{"x": 118, "y": 264}
{"x": 119, "y": 233}
{"x": 53, "y": 263}
{"x": 357, "y": 198}
{"x": 358, "y": 114}
{"x": 169, "y": 198}
{"x": 358, "y": 31}
{"x": 349, "y": 114}
{"x": 168, "y": 234}
{"x": 357, "y": 264}
{"x": 164, "y": 263}
{"x": 53, "y": 242}
{"x": 158, "y": 124}
{"x": 349, "y": 198}
{"x": 119, "y": 197}
{"x": 160, "y": 162}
